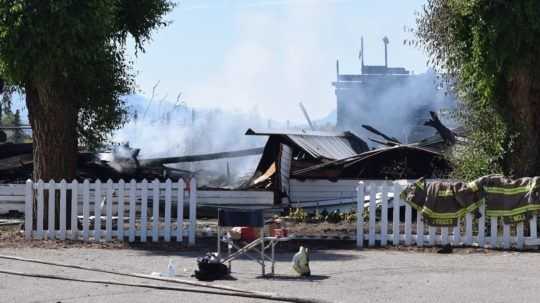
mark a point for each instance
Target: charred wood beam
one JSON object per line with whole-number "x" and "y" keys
{"x": 378, "y": 133}
{"x": 385, "y": 143}
{"x": 446, "y": 134}
{"x": 15, "y": 149}
{"x": 203, "y": 157}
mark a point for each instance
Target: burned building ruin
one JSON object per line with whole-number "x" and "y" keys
{"x": 392, "y": 99}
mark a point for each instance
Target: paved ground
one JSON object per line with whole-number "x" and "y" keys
{"x": 341, "y": 275}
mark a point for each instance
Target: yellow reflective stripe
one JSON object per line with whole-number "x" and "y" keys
{"x": 444, "y": 221}
{"x": 473, "y": 186}
{"x": 445, "y": 193}
{"x": 414, "y": 205}
{"x": 512, "y": 212}
{"x": 448, "y": 215}
{"x": 507, "y": 191}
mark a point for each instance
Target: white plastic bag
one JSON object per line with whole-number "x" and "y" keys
{"x": 301, "y": 262}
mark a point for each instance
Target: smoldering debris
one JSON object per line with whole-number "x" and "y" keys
{"x": 122, "y": 162}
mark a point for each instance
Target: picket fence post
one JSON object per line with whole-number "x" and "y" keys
{"x": 51, "y": 209}
{"x": 109, "y": 202}
{"x": 120, "y": 210}
{"x": 494, "y": 237}
{"x": 360, "y": 214}
{"x": 482, "y": 226}
{"x": 62, "y": 210}
{"x": 74, "y": 210}
{"x": 97, "y": 210}
{"x": 144, "y": 209}
{"x": 155, "y": 210}
{"x": 384, "y": 215}
{"x": 86, "y": 209}
{"x": 372, "y": 215}
{"x": 132, "y": 201}
{"x": 419, "y": 229}
{"x": 28, "y": 215}
{"x": 396, "y": 206}
{"x": 40, "y": 209}
{"x": 192, "y": 211}
{"x": 180, "y": 211}
{"x": 167, "y": 232}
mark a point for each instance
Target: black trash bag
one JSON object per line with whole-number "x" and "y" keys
{"x": 210, "y": 268}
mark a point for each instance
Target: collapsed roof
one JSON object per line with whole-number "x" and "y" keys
{"x": 333, "y": 156}
{"x": 396, "y": 162}
{"x": 317, "y": 145}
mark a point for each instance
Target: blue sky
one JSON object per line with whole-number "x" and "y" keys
{"x": 268, "y": 55}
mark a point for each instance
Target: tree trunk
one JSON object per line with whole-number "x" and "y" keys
{"x": 524, "y": 97}
{"x": 54, "y": 138}
{"x": 54, "y": 134}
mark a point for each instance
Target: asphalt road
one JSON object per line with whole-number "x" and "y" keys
{"x": 339, "y": 276}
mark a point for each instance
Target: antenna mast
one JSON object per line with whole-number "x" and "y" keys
{"x": 362, "y": 53}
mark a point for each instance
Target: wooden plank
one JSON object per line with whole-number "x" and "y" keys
{"x": 51, "y": 222}
{"x": 144, "y": 209}
{"x": 74, "y": 210}
{"x": 396, "y": 206}
{"x": 519, "y": 233}
{"x": 408, "y": 223}
{"x": 192, "y": 211}
{"x": 63, "y": 208}
{"x": 372, "y": 216}
{"x": 482, "y": 226}
{"x": 506, "y": 236}
{"x": 108, "y": 222}
{"x": 468, "y": 229}
{"x": 180, "y": 211}
{"x": 97, "y": 211}
{"x": 121, "y": 210}
{"x": 132, "y": 201}
{"x": 384, "y": 216}
{"x": 40, "y": 209}
{"x": 360, "y": 215}
{"x": 155, "y": 209}
{"x": 167, "y": 225}
{"x": 86, "y": 209}
{"x": 419, "y": 229}
{"x": 28, "y": 216}
{"x": 493, "y": 233}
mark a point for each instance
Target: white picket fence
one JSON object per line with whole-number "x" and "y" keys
{"x": 469, "y": 232}
{"x": 107, "y": 211}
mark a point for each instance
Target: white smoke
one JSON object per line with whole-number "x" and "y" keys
{"x": 397, "y": 107}
{"x": 277, "y": 61}
{"x": 168, "y": 129}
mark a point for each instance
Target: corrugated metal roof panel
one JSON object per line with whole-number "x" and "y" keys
{"x": 286, "y": 132}
{"x": 318, "y": 144}
{"x": 324, "y": 147}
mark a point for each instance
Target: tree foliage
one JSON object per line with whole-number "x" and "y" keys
{"x": 75, "y": 50}
{"x": 489, "y": 50}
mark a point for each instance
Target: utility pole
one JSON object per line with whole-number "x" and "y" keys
{"x": 385, "y": 41}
